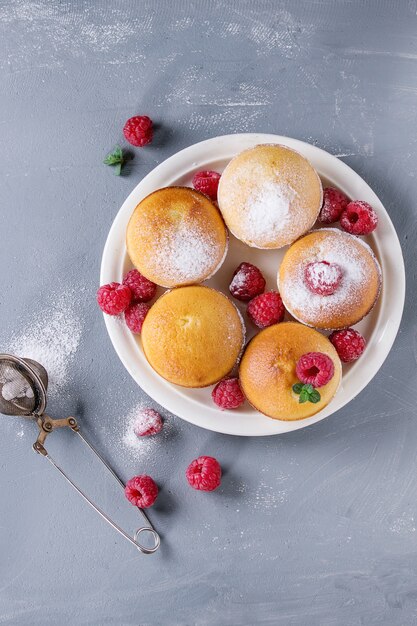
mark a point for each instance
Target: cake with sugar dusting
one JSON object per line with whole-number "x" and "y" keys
{"x": 268, "y": 370}
{"x": 329, "y": 279}
{"x": 269, "y": 196}
{"x": 176, "y": 236}
{"x": 193, "y": 336}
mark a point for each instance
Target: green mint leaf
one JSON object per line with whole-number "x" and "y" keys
{"x": 309, "y": 388}
{"x": 303, "y": 397}
{"x": 314, "y": 396}
{"x": 115, "y": 157}
{"x": 297, "y": 387}
{"x": 118, "y": 152}
{"x": 118, "y": 169}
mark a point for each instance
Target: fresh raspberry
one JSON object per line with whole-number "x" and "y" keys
{"x": 204, "y": 473}
{"x": 138, "y": 130}
{"x": 207, "y": 182}
{"x": 247, "y": 282}
{"x": 135, "y": 315}
{"x": 266, "y": 309}
{"x": 359, "y": 218}
{"x": 322, "y": 277}
{"x": 349, "y": 344}
{"x": 315, "y": 368}
{"x": 149, "y": 422}
{"x": 141, "y": 491}
{"x": 227, "y": 394}
{"x": 113, "y": 298}
{"x": 334, "y": 203}
{"x": 142, "y": 289}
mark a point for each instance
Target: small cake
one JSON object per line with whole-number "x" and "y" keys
{"x": 176, "y": 236}
{"x": 269, "y": 196}
{"x": 267, "y": 371}
{"x": 193, "y": 336}
{"x": 329, "y": 279}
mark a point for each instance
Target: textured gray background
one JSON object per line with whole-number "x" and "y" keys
{"x": 316, "y": 527}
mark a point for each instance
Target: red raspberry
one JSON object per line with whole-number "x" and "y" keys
{"x": 247, "y": 282}
{"x": 141, "y": 491}
{"x": 334, "y": 203}
{"x": 266, "y": 309}
{"x": 204, "y": 473}
{"x": 138, "y": 130}
{"x": 349, "y": 344}
{"x": 149, "y": 422}
{"x": 207, "y": 182}
{"x": 135, "y": 315}
{"x": 113, "y": 298}
{"x": 315, "y": 368}
{"x": 227, "y": 394}
{"x": 142, "y": 289}
{"x": 322, "y": 277}
{"x": 359, "y": 218}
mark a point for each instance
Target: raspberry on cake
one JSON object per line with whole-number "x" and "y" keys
{"x": 204, "y": 473}
{"x": 325, "y": 299}
{"x": 334, "y": 203}
{"x": 315, "y": 368}
{"x": 322, "y": 277}
{"x": 247, "y": 282}
{"x": 268, "y": 371}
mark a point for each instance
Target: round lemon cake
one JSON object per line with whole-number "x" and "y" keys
{"x": 176, "y": 236}
{"x": 309, "y": 267}
{"x": 267, "y": 370}
{"x": 193, "y": 336}
{"x": 269, "y": 196}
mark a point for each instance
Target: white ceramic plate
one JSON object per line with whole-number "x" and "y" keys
{"x": 379, "y": 328}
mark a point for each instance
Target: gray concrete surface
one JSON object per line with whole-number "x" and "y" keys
{"x": 317, "y": 527}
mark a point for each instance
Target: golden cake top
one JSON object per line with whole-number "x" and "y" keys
{"x": 193, "y": 336}
{"x": 176, "y": 236}
{"x": 269, "y": 195}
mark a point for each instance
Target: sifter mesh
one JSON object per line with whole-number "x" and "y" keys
{"x": 23, "y": 384}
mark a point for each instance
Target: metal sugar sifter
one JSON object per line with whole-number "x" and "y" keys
{"x": 23, "y": 385}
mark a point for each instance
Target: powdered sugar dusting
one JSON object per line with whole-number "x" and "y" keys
{"x": 52, "y": 339}
{"x": 145, "y": 448}
{"x": 341, "y": 251}
{"x": 320, "y": 272}
{"x": 185, "y": 253}
{"x": 269, "y": 196}
{"x": 267, "y": 211}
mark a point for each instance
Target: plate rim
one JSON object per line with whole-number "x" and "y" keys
{"x": 115, "y": 250}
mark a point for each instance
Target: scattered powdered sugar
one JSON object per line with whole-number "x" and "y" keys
{"x": 185, "y": 254}
{"x": 147, "y": 446}
{"x": 268, "y": 496}
{"x": 342, "y": 250}
{"x": 51, "y": 339}
{"x": 267, "y": 211}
